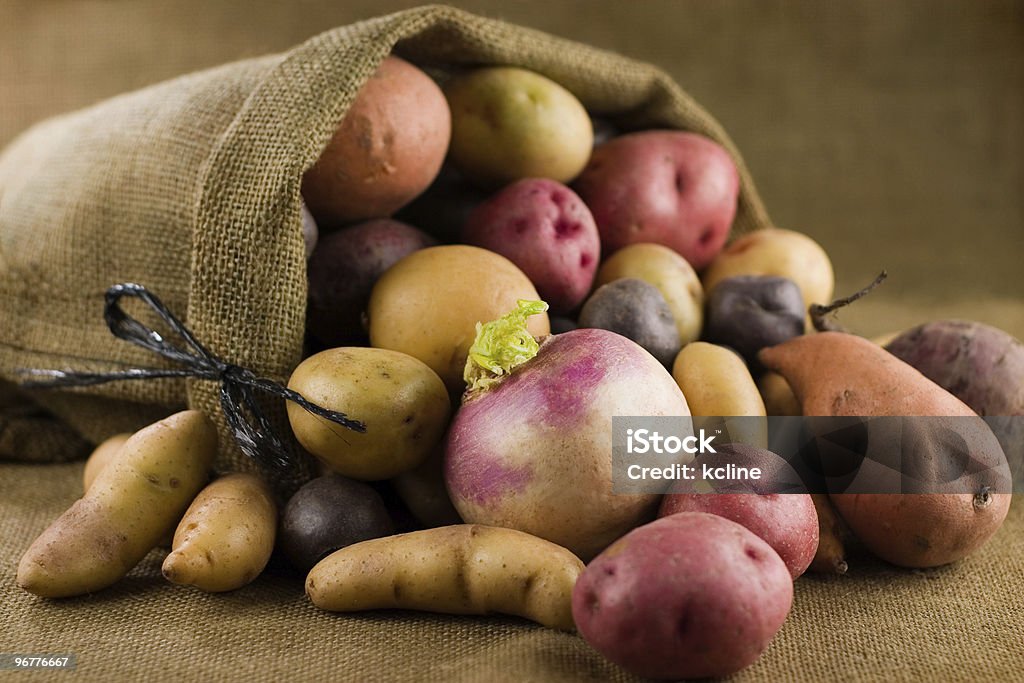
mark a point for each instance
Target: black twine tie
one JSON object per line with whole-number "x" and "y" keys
{"x": 239, "y": 387}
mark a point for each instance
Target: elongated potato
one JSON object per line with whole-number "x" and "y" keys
{"x": 717, "y": 384}
{"x": 460, "y": 569}
{"x": 226, "y": 536}
{"x": 131, "y": 504}
{"x": 101, "y": 457}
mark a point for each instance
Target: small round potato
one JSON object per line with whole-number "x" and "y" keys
{"x": 774, "y": 251}
{"x": 428, "y": 304}
{"x": 509, "y": 123}
{"x": 664, "y": 186}
{"x": 670, "y": 273}
{"x": 544, "y": 228}
{"x": 402, "y": 402}
{"x": 328, "y": 513}
{"x": 750, "y": 312}
{"x": 424, "y": 493}
{"x": 637, "y": 311}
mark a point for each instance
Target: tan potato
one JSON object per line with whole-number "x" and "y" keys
{"x": 428, "y": 304}
{"x": 226, "y": 536}
{"x": 101, "y": 457}
{"x": 402, "y": 402}
{"x": 423, "y": 491}
{"x": 386, "y": 151}
{"x": 774, "y": 251}
{"x": 777, "y": 395}
{"x": 509, "y": 123}
{"x": 130, "y": 505}
{"x": 716, "y": 383}
{"x": 670, "y": 273}
{"x": 461, "y": 569}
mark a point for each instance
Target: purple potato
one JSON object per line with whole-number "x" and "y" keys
{"x": 636, "y": 310}
{"x": 750, "y": 312}
{"x": 343, "y": 269}
{"x": 328, "y": 513}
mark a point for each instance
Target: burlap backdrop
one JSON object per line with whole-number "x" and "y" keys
{"x": 191, "y": 187}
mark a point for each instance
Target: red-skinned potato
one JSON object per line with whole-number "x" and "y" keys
{"x": 345, "y": 266}
{"x": 691, "y": 595}
{"x": 774, "y": 506}
{"x": 669, "y": 187}
{"x": 386, "y": 151}
{"x": 544, "y": 228}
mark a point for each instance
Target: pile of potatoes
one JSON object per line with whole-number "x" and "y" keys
{"x": 441, "y": 205}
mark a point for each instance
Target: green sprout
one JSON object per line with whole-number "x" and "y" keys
{"x": 501, "y": 345}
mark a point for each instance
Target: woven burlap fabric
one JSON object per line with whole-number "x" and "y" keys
{"x": 960, "y": 623}
{"x": 191, "y": 187}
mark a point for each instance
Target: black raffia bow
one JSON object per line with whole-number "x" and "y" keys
{"x": 238, "y": 386}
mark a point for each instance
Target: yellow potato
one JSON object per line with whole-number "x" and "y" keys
{"x": 428, "y": 304}
{"x": 462, "y": 569}
{"x": 101, "y": 457}
{"x": 783, "y": 253}
{"x": 402, "y": 402}
{"x": 670, "y": 273}
{"x": 716, "y": 383}
{"x": 777, "y": 395}
{"x": 129, "y": 507}
{"x": 509, "y": 123}
{"x": 226, "y": 536}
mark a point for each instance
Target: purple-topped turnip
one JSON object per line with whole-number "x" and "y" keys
{"x": 531, "y": 446}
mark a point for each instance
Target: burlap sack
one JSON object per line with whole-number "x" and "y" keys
{"x": 191, "y": 187}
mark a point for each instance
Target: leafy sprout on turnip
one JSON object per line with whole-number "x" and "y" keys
{"x": 502, "y": 345}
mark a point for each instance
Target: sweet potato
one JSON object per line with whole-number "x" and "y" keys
{"x": 839, "y": 374}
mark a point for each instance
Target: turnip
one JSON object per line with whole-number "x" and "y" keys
{"x": 531, "y": 446}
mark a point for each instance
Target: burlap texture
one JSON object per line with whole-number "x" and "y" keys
{"x": 191, "y": 187}
{"x": 960, "y": 623}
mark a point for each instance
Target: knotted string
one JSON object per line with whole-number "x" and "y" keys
{"x": 239, "y": 386}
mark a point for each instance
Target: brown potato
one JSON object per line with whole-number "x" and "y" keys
{"x": 386, "y": 151}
